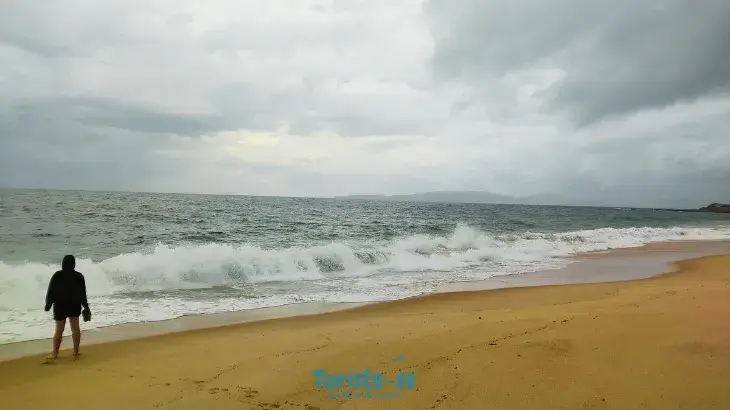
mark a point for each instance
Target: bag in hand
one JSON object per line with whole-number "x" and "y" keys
{"x": 86, "y": 313}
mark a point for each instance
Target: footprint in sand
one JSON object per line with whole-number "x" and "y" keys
{"x": 247, "y": 391}
{"x": 306, "y": 406}
{"x": 555, "y": 346}
{"x": 267, "y": 406}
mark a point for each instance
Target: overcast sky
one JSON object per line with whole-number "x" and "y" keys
{"x": 604, "y": 100}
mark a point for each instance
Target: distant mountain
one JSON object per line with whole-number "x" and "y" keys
{"x": 483, "y": 197}
{"x": 475, "y": 197}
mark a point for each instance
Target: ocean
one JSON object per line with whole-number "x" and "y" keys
{"x": 150, "y": 257}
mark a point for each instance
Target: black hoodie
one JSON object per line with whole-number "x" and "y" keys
{"x": 67, "y": 288}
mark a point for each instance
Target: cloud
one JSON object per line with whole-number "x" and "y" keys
{"x": 594, "y": 100}
{"x": 615, "y": 58}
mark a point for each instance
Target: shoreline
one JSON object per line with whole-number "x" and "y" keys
{"x": 657, "y": 343}
{"x": 615, "y": 265}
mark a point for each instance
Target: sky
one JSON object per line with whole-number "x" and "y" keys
{"x": 602, "y": 101}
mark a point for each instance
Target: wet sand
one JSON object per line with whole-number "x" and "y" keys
{"x": 656, "y": 343}
{"x": 606, "y": 266}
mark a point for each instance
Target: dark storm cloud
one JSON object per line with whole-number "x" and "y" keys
{"x": 97, "y": 112}
{"x": 59, "y": 29}
{"x": 307, "y": 109}
{"x": 618, "y": 57}
{"x": 45, "y": 146}
{"x": 31, "y": 45}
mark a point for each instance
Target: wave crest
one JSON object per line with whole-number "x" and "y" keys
{"x": 183, "y": 267}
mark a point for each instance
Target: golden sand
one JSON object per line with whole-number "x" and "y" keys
{"x": 659, "y": 343}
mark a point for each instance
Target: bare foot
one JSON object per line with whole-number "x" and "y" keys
{"x": 50, "y": 359}
{"x": 76, "y": 355}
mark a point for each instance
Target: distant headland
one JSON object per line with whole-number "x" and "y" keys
{"x": 719, "y": 208}
{"x": 442, "y": 196}
{"x": 482, "y": 197}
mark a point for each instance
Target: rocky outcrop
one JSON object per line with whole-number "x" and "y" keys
{"x": 720, "y": 208}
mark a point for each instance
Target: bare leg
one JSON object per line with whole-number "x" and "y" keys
{"x": 57, "y": 338}
{"x": 75, "y": 333}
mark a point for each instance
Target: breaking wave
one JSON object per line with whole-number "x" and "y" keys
{"x": 205, "y": 266}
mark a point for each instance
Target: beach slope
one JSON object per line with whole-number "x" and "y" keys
{"x": 659, "y": 343}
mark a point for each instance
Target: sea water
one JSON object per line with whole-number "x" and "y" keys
{"x": 150, "y": 257}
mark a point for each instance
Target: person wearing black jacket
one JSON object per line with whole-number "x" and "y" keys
{"x": 67, "y": 295}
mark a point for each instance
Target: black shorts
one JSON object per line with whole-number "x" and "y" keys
{"x": 65, "y": 312}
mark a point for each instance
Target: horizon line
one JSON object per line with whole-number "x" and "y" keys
{"x": 345, "y": 196}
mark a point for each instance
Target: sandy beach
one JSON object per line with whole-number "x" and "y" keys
{"x": 656, "y": 343}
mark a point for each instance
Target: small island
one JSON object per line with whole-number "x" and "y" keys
{"x": 716, "y": 207}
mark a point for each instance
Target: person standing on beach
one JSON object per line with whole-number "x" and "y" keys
{"x": 67, "y": 294}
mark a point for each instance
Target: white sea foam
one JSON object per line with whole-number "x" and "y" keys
{"x": 335, "y": 272}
